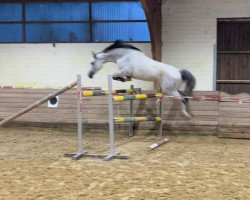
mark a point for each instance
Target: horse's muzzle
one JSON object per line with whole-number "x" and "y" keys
{"x": 91, "y": 74}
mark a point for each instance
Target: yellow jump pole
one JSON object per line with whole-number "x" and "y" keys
{"x": 137, "y": 97}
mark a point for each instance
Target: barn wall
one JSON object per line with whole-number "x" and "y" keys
{"x": 95, "y": 111}
{"x": 227, "y": 119}
{"x": 45, "y": 66}
{"x": 189, "y": 33}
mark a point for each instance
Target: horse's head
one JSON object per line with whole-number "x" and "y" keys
{"x": 96, "y": 64}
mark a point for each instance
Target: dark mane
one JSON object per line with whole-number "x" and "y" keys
{"x": 119, "y": 44}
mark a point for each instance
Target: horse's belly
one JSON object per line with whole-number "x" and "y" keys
{"x": 144, "y": 77}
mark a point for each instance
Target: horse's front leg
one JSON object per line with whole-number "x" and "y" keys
{"x": 121, "y": 76}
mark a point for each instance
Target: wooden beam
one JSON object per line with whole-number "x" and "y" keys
{"x": 153, "y": 13}
{"x": 234, "y": 81}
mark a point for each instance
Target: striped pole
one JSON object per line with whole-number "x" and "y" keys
{"x": 157, "y": 144}
{"x": 137, "y": 97}
{"x": 136, "y": 119}
{"x": 88, "y": 93}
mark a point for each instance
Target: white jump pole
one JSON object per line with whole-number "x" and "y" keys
{"x": 111, "y": 117}
{"x": 113, "y": 154}
{"x": 80, "y": 153}
{"x": 79, "y": 119}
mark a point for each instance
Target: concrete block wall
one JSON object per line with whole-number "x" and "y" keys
{"x": 189, "y": 34}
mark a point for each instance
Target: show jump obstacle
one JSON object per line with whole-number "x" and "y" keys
{"x": 113, "y": 154}
{"x": 112, "y": 120}
{"x": 81, "y": 152}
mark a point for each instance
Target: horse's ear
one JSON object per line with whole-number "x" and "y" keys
{"x": 93, "y": 54}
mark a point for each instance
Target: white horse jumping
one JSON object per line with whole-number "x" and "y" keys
{"x": 132, "y": 63}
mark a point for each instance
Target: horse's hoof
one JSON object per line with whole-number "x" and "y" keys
{"x": 119, "y": 79}
{"x": 188, "y": 115}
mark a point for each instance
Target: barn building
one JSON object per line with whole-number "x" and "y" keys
{"x": 134, "y": 142}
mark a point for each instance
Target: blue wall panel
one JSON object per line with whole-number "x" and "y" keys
{"x": 61, "y": 25}
{"x": 123, "y": 30}
{"x": 10, "y": 12}
{"x": 10, "y": 33}
{"x": 117, "y": 11}
{"x": 73, "y": 32}
{"x": 57, "y": 11}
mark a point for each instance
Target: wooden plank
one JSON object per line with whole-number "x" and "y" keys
{"x": 233, "y": 52}
{"x": 32, "y": 96}
{"x": 241, "y": 130}
{"x": 234, "y": 104}
{"x": 234, "y": 109}
{"x": 233, "y": 120}
{"x": 233, "y": 81}
{"x": 96, "y": 112}
{"x": 22, "y": 105}
{"x": 34, "y": 90}
{"x": 191, "y": 123}
{"x": 194, "y": 119}
{"x": 233, "y": 125}
{"x": 52, "y": 111}
{"x": 234, "y": 135}
{"x": 145, "y": 106}
{"x": 208, "y": 129}
{"x": 227, "y": 114}
{"x": 225, "y": 94}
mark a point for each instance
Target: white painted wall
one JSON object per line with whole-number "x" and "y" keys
{"x": 45, "y": 66}
{"x": 189, "y": 33}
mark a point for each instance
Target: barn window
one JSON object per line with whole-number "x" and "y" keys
{"x": 81, "y": 21}
{"x": 10, "y": 22}
{"x": 124, "y": 20}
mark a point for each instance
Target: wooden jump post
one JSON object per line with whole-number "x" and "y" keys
{"x": 37, "y": 103}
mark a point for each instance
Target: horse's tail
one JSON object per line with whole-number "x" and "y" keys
{"x": 190, "y": 81}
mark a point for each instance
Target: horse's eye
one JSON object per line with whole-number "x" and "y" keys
{"x": 92, "y": 63}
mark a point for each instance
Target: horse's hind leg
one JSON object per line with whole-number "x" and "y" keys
{"x": 185, "y": 105}
{"x": 185, "y": 102}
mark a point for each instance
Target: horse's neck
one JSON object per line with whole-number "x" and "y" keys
{"x": 119, "y": 54}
